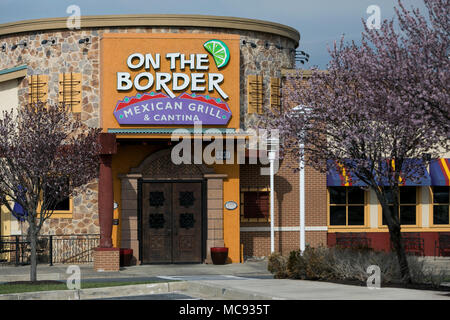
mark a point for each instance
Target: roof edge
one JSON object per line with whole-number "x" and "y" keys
{"x": 165, "y": 20}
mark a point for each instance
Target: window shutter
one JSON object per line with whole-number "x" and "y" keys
{"x": 275, "y": 94}
{"x": 254, "y": 94}
{"x": 38, "y": 89}
{"x": 70, "y": 91}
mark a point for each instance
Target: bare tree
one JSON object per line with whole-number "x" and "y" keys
{"x": 46, "y": 155}
{"x": 380, "y": 110}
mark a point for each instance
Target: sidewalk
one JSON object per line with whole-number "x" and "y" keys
{"x": 256, "y": 269}
{"x": 246, "y": 281}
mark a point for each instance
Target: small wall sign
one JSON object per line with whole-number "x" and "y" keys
{"x": 230, "y": 205}
{"x": 225, "y": 155}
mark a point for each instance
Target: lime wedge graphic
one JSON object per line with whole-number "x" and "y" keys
{"x": 219, "y": 51}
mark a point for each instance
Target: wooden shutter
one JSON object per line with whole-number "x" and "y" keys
{"x": 275, "y": 94}
{"x": 254, "y": 94}
{"x": 38, "y": 88}
{"x": 70, "y": 91}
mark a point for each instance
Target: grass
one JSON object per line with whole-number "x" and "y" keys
{"x": 6, "y": 288}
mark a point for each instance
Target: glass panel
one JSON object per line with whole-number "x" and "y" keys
{"x": 383, "y": 219}
{"x": 187, "y": 220}
{"x": 256, "y": 205}
{"x": 355, "y": 195}
{"x": 440, "y": 214}
{"x": 441, "y": 194}
{"x": 356, "y": 215}
{"x": 337, "y": 195}
{"x": 337, "y": 215}
{"x": 156, "y": 198}
{"x": 389, "y": 196}
{"x": 186, "y": 198}
{"x": 64, "y": 205}
{"x": 407, "y": 215}
{"x": 408, "y": 195}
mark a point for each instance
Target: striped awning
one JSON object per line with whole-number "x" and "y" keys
{"x": 337, "y": 175}
{"x": 440, "y": 172}
{"x": 19, "y": 212}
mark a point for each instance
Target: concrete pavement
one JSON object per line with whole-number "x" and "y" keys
{"x": 246, "y": 281}
{"x": 58, "y": 272}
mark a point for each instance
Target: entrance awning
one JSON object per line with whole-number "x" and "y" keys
{"x": 440, "y": 172}
{"x": 228, "y": 133}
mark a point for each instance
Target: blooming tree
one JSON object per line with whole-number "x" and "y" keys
{"x": 46, "y": 155}
{"x": 378, "y": 105}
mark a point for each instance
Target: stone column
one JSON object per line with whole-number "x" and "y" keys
{"x": 128, "y": 216}
{"x": 215, "y": 213}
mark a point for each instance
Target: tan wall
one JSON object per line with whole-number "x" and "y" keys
{"x": 9, "y": 99}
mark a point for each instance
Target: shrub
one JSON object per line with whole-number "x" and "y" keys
{"x": 278, "y": 265}
{"x": 314, "y": 264}
{"x": 348, "y": 264}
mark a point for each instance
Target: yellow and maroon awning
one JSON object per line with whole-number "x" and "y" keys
{"x": 440, "y": 172}
{"x": 339, "y": 176}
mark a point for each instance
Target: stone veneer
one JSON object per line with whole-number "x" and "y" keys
{"x": 67, "y": 55}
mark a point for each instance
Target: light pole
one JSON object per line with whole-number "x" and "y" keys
{"x": 302, "y": 110}
{"x": 273, "y": 150}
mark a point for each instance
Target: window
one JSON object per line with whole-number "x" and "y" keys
{"x": 63, "y": 205}
{"x": 346, "y": 206}
{"x": 408, "y": 203}
{"x": 441, "y": 203}
{"x": 255, "y": 206}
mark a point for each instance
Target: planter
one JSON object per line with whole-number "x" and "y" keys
{"x": 219, "y": 255}
{"x": 125, "y": 257}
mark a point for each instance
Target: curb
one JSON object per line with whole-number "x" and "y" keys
{"x": 218, "y": 292}
{"x": 194, "y": 288}
{"x": 98, "y": 293}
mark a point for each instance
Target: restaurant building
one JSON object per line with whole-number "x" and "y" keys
{"x": 166, "y": 90}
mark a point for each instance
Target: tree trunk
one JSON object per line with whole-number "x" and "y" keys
{"x": 33, "y": 245}
{"x": 396, "y": 240}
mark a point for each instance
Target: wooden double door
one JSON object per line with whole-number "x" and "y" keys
{"x": 171, "y": 222}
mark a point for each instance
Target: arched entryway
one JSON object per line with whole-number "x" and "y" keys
{"x": 171, "y": 213}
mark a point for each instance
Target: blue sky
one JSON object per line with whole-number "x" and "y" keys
{"x": 319, "y": 22}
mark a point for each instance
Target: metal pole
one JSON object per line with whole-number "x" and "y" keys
{"x": 302, "y": 199}
{"x": 17, "y": 250}
{"x": 50, "y": 249}
{"x": 272, "y": 201}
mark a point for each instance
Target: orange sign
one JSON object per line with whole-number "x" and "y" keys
{"x": 165, "y": 80}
